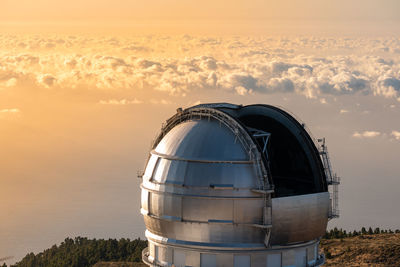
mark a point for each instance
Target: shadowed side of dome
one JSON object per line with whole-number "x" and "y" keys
{"x": 293, "y": 159}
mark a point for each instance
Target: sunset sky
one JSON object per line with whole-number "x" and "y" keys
{"x": 85, "y": 86}
{"x": 25, "y": 10}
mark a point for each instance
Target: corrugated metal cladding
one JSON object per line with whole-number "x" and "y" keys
{"x": 214, "y": 192}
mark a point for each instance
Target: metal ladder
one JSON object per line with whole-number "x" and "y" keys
{"x": 332, "y": 180}
{"x": 262, "y": 138}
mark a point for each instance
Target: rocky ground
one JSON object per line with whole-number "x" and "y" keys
{"x": 364, "y": 250}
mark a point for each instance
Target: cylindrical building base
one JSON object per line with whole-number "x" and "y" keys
{"x": 167, "y": 252}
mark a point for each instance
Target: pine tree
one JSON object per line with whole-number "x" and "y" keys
{"x": 363, "y": 231}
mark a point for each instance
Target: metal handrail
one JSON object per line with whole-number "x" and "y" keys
{"x": 332, "y": 179}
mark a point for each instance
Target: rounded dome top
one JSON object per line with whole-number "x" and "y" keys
{"x": 202, "y": 140}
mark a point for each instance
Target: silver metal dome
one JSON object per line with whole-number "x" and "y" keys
{"x": 214, "y": 191}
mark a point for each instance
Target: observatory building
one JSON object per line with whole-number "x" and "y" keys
{"x": 231, "y": 185}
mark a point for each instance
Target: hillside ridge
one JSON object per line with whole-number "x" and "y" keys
{"x": 363, "y": 248}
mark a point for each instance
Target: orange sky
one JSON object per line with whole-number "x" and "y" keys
{"x": 85, "y": 86}
{"x": 207, "y": 9}
{"x": 215, "y": 17}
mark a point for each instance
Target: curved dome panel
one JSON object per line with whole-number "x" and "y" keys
{"x": 200, "y": 173}
{"x": 202, "y": 140}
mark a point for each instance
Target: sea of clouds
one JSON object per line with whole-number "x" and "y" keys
{"x": 77, "y": 111}
{"x": 178, "y": 65}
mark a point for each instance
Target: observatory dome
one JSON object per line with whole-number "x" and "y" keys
{"x": 230, "y": 185}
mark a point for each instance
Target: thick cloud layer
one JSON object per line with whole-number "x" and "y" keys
{"x": 77, "y": 114}
{"x": 184, "y": 64}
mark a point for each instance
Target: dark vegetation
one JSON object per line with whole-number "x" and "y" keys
{"x": 340, "y": 233}
{"x": 372, "y": 246}
{"x": 81, "y": 252}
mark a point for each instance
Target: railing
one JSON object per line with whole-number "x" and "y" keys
{"x": 332, "y": 180}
